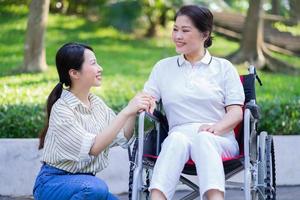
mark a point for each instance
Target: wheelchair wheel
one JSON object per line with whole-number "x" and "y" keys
{"x": 143, "y": 193}
{"x": 271, "y": 170}
{"x": 266, "y": 176}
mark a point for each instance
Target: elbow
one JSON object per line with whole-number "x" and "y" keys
{"x": 93, "y": 153}
{"x": 240, "y": 115}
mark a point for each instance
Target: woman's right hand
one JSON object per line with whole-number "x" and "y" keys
{"x": 141, "y": 102}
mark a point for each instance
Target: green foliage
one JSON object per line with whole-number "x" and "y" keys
{"x": 122, "y": 15}
{"x": 21, "y": 121}
{"x": 281, "y": 117}
{"x": 294, "y": 30}
{"x": 127, "y": 62}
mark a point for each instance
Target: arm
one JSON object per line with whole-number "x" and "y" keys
{"x": 231, "y": 119}
{"x": 124, "y": 119}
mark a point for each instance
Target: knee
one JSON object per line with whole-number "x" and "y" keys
{"x": 204, "y": 138}
{"x": 176, "y": 140}
{"x": 97, "y": 190}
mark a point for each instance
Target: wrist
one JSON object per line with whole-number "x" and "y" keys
{"x": 126, "y": 112}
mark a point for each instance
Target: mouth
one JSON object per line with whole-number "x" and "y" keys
{"x": 99, "y": 77}
{"x": 179, "y": 44}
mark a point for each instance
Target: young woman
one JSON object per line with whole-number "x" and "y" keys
{"x": 80, "y": 129}
{"x": 202, "y": 98}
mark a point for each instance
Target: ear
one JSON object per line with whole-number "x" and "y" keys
{"x": 205, "y": 35}
{"x": 74, "y": 74}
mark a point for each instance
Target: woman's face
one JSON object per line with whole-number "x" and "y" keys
{"x": 187, "y": 38}
{"x": 91, "y": 72}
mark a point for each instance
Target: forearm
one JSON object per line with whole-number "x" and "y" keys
{"x": 129, "y": 126}
{"x": 230, "y": 120}
{"x": 107, "y": 136}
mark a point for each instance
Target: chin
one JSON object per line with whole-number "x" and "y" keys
{"x": 180, "y": 51}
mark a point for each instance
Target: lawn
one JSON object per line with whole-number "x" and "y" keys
{"x": 127, "y": 62}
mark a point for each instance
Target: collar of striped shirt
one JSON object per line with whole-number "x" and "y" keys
{"x": 74, "y": 102}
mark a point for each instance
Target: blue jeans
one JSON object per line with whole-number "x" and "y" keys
{"x": 53, "y": 184}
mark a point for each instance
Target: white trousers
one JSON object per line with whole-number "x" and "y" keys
{"x": 204, "y": 148}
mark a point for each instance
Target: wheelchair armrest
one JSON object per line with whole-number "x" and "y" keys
{"x": 254, "y": 109}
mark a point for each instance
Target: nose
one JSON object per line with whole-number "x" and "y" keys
{"x": 100, "y": 68}
{"x": 177, "y": 35}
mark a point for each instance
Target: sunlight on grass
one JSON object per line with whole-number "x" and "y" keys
{"x": 294, "y": 30}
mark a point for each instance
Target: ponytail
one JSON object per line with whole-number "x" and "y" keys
{"x": 53, "y": 97}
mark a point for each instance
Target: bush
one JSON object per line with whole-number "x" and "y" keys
{"x": 21, "y": 121}
{"x": 280, "y": 117}
{"x": 122, "y": 15}
{"x": 26, "y": 121}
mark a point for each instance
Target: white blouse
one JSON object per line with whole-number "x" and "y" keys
{"x": 195, "y": 93}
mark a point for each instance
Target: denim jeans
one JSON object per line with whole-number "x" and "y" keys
{"x": 56, "y": 184}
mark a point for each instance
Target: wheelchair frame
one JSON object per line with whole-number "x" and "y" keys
{"x": 258, "y": 161}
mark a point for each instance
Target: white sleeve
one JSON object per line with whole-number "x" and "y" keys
{"x": 152, "y": 84}
{"x": 234, "y": 91}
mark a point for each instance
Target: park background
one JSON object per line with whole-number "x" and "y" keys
{"x": 129, "y": 37}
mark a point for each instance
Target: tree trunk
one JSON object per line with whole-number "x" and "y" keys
{"x": 252, "y": 39}
{"x": 275, "y": 7}
{"x": 34, "y": 54}
{"x": 295, "y": 11}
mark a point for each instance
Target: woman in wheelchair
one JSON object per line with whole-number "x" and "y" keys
{"x": 202, "y": 97}
{"x": 80, "y": 129}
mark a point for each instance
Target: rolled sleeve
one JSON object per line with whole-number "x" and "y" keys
{"x": 234, "y": 92}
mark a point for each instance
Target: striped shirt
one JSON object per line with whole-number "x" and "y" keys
{"x": 72, "y": 131}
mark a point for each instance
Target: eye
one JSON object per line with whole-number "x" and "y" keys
{"x": 175, "y": 29}
{"x": 185, "y": 30}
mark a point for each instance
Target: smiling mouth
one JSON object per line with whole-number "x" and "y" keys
{"x": 99, "y": 77}
{"x": 179, "y": 44}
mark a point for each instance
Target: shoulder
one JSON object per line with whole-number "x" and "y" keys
{"x": 224, "y": 64}
{"x": 166, "y": 63}
{"x": 61, "y": 109}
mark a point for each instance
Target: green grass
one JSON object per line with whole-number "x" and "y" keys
{"x": 127, "y": 62}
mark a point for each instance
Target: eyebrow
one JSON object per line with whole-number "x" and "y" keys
{"x": 182, "y": 26}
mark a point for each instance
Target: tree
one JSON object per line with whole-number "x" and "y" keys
{"x": 295, "y": 11}
{"x": 275, "y": 7}
{"x": 34, "y": 52}
{"x": 252, "y": 48}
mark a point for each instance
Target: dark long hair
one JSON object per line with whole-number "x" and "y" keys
{"x": 69, "y": 56}
{"x": 201, "y": 17}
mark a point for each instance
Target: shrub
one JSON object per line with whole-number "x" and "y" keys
{"x": 280, "y": 117}
{"x": 21, "y": 121}
{"x": 26, "y": 121}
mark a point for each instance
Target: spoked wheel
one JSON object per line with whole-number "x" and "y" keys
{"x": 143, "y": 193}
{"x": 271, "y": 170}
{"x": 266, "y": 175}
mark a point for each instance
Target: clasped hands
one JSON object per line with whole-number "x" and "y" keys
{"x": 142, "y": 102}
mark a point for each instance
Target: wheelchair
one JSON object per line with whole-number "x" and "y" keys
{"x": 256, "y": 157}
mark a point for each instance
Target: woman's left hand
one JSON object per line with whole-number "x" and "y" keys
{"x": 214, "y": 129}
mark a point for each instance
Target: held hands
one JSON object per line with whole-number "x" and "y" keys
{"x": 141, "y": 102}
{"x": 214, "y": 129}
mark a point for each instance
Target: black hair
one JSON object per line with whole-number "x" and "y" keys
{"x": 69, "y": 56}
{"x": 201, "y": 17}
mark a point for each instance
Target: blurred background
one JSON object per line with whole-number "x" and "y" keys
{"x": 129, "y": 37}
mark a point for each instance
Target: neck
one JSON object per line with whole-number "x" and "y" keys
{"x": 82, "y": 94}
{"x": 195, "y": 56}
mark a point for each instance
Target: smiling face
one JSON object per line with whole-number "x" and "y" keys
{"x": 187, "y": 38}
{"x": 90, "y": 73}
